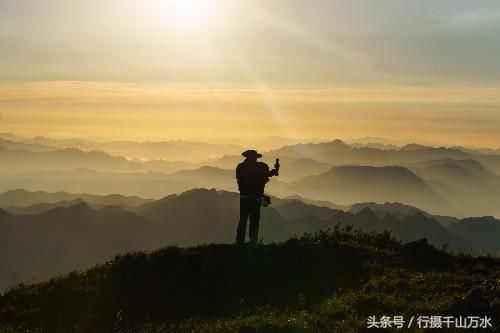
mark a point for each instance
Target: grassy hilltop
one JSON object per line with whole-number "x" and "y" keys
{"x": 327, "y": 282}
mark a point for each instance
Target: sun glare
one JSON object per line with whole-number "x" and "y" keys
{"x": 186, "y": 15}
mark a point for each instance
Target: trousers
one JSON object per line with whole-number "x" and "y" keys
{"x": 249, "y": 208}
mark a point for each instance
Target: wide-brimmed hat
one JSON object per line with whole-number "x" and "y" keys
{"x": 251, "y": 153}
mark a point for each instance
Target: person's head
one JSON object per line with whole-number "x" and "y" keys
{"x": 251, "y": 155}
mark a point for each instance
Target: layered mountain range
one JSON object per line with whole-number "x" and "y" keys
{"x": 442, "y": 180}
{"x": 40, "y": 240}
{"x": 68, "y": 204}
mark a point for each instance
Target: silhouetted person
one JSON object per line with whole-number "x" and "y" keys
{"x": 252, "y": 177}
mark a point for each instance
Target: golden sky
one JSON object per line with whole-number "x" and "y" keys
{"x": 450, "y": 115}
{"x": 218, "y": 69}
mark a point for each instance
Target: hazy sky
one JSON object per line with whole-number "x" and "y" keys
{"x": 418, "y": 70}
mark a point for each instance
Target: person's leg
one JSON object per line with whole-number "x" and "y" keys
{"x": 242, "y": 224}
{"x": 254, "y": 222}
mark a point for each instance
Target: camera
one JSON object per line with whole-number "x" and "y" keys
{"x": 266, "y": 200}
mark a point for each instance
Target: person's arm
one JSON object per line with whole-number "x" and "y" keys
{"x": 276, "y": 170}
{"x": 273, "y": 172}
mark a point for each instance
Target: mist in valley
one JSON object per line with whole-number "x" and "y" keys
{"x": 67, "y": 204}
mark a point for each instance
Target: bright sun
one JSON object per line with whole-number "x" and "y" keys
{"x": 186, "y": 14}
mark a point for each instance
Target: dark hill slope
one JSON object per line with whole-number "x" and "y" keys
{"x": 64, "y": 239}
{"x": 290, "y": 209}
{"x": 482, "y": 233}
{"x": 201, "y": 215}
{"x": 321, "y": 283}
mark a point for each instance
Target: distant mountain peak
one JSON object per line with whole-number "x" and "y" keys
{"x": 414, "y": 147}
{"x": 75, "y": 201}
{"x": 71, "y": 211}
{"x": 198, "y": 192}
{"x": 72, "y": 150}
{"x": 366, "y": 213}
{"x": 305, "y": 160}
{"x": 339, "y": 143}
{"x": 368, "y": 169}
{"x": 81, "y": 205}
{"x": 207, "y": 170}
